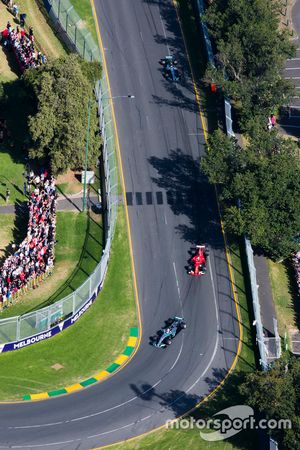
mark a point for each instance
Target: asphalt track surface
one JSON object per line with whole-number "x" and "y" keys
{"x": 161, "y": 141}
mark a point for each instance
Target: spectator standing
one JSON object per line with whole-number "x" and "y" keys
{"x": 15, "y": 10}
{"x": 273, "y": 120}
{"x": 22, "y": 19}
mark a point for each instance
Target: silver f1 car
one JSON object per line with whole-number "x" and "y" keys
{"x": 167, "y": 333}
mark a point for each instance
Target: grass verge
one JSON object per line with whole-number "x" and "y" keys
{"x": 84, "y": 10}
{"x": 286, "y": 298}
{"x": 78, "y": 250}
{"x": 89, "y": 345}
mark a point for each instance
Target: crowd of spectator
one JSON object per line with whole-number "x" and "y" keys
{"x": 23, "y": 46}
{"x": 296, "y": 264}
{"x": 35, "y": 255}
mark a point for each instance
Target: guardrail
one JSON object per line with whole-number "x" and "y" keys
{"x": 208, "y": 46}
{"x": 21, "y": 331}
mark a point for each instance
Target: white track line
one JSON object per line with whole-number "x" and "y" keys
{"x": 37, "y": 426}
{"x": 177, "y": 282}
{"x": 165, "y": 34}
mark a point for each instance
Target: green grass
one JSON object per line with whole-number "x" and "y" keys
{"x": 226, "y": 396}
{"x": 88, "y": 346}
{"x": 78, "y": 250}
{"x": 69, "y": 188}
{"x": 6, "y": 232}
{"x": 84, "y": 10}
{"x": 285, "y": 305}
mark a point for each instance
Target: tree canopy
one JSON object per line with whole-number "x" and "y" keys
{"x": 250, "y": 52}
{"x": 264, "y": 178}
{"x": 61, "y": 91}
{"x": 275, "y": 395}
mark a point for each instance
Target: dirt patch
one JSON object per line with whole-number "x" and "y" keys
{"x": 69, "y": 183}
{"x": 69, "y": 177}
{"x": 6, "y": 236}
{"x": 57, "y": 366}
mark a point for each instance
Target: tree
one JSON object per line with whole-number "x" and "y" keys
{"x": 264, "y": 180}
{"x": 61, "y": 90}
{"x": 222, "y": 157}
{"x": 250, "y": 53}
{"x": 275, "y": 395}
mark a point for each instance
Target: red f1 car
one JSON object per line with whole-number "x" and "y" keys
{"x": 197, "y": 264}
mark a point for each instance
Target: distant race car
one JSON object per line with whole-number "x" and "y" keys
{"x": 167, "y": 60}
{"x": 170, "y": 70}
{"x": 197, "y": 266}
{"x": 167, "y": 333}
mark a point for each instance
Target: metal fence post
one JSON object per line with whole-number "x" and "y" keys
{"x": 83, "y": 52}
{"x": 58, "y": 11}
{"x": 18, "y": 330}
{"x": 73, "y": 302}
{"x": 49, "y": 318}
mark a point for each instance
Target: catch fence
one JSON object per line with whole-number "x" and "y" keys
{"x": 71, "y": 28}
{"x": 26, "y": 329}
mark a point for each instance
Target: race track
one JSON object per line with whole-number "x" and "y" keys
{"x": 171, "y": 208}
